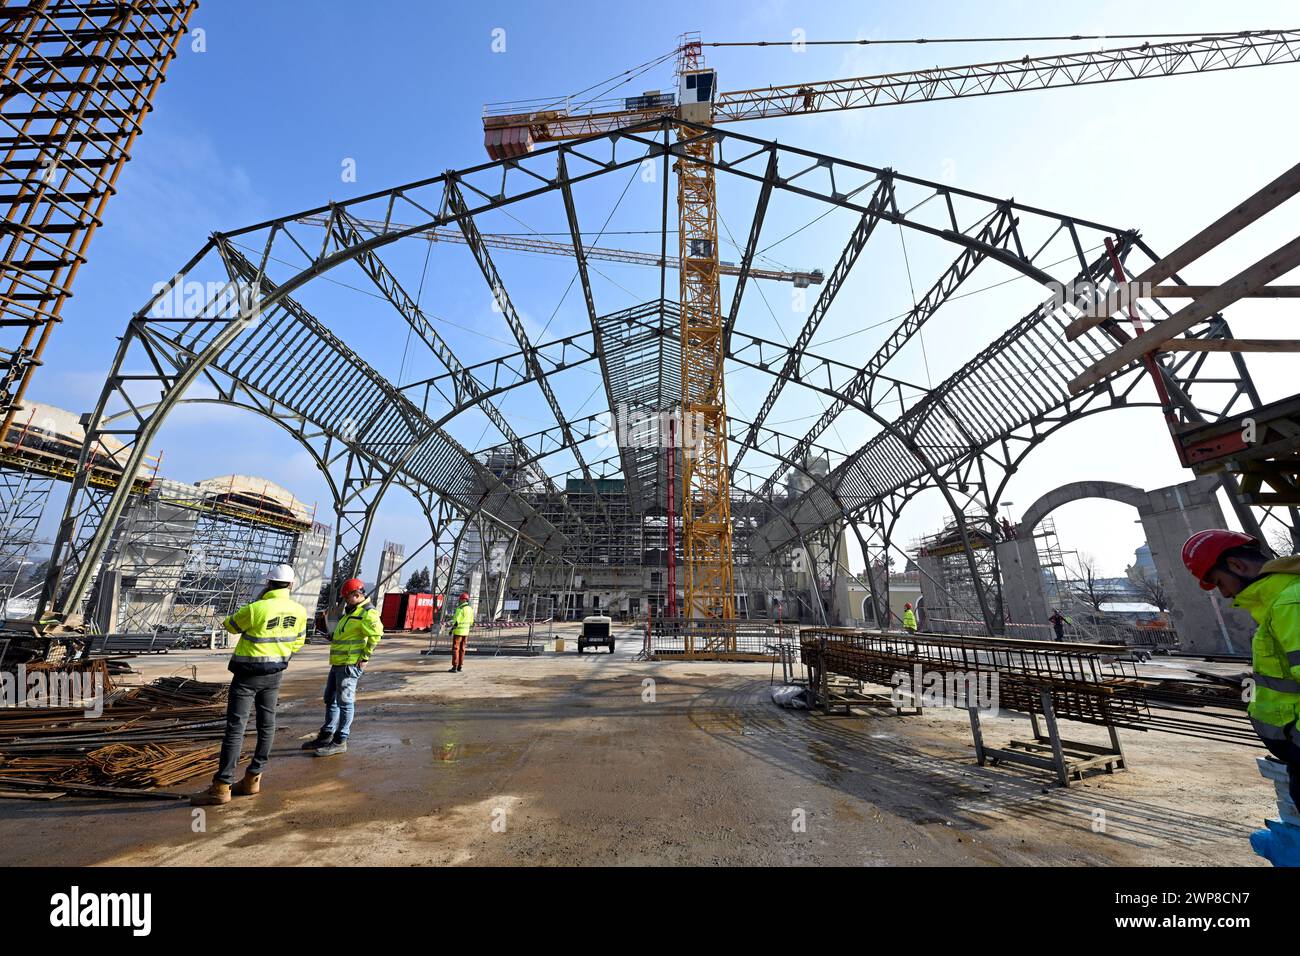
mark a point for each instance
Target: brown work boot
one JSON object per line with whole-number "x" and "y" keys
{"x": 215, "y": 795}
{"x": 249, "y": 786}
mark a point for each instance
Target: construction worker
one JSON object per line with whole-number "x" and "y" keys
{"x": 1269, "y": 589}
{"x": 909, "y": 618}
{"x": 1057, "y": 620}
{"x": 356, "y": 636}
{"x": 271, "y": 630}
{"x": 461, "y": 622}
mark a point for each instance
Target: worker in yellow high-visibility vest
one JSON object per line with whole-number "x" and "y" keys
{"x": 271, "y": 630}
{"x": 356, "y": 636}
{"x": 909, "y": 618}
{"x": 1269, "y": 589}
{"x": 461, "y": 622}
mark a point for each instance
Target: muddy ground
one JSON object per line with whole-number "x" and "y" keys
{"x": 562, "y": 759}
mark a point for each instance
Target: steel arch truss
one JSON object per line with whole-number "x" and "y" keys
{"x": 250, "y": 340}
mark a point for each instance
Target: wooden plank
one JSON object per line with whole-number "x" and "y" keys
{"x": 1277, "y": 263}
{"x": 31, "y": 794}
{"x": 91, "y": 790}
{"x": 1231, "y": 345}
{"x": 1227, "y": 225}
{"x": 1196, "y": 291}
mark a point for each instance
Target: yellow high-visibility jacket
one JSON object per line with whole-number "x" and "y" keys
{"x": 271, "y": 630}
{"x": 909, "y": 620}
{"x": 1274, "y": 602}
{"x": 356, "y": 635}
{"x": 460, "y": 624}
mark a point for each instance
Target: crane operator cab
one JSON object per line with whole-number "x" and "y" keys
{"x": 695, "y": 93}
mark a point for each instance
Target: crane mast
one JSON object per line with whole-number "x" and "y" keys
{"x": 706, "y": 477}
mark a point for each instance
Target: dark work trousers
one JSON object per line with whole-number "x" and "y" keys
{"x": 246, "y": 692}
{"x": 1289, "y": 753}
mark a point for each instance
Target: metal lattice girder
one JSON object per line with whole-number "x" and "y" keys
{"x": 882, "y": 198}
{"x": 468, "y": 391}
{"x": 995, "y": 232}
{"x": 474, "y": 239}
{"x": 78, "y": 80}
{"x": 1249, "y": 48}
{"x": 377, "y": 422}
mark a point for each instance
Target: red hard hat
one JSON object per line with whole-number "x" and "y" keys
{"x": 1201, "y": 552}
{"x": 907, "y": 606}
{"x": 465, "y": 596}
{"x": 350, "y": 585}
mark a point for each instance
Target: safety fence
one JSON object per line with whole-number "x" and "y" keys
{"x": 497, "y": 637}
{"x": 713, "y": 639}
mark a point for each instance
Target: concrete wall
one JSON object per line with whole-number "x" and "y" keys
{"x": 1205, "y": 623}
{"x": 1023, "y": 594}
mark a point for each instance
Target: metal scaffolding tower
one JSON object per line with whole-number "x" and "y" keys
{"x": 22, "y": 503}
{"x": 183, "y": 566}
{"x": 951, "y": 600}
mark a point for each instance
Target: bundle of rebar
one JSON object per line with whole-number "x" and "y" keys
{"x": 147, "y": 737}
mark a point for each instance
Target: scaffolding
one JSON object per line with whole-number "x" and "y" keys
{"x": 947, "y": 587}
{"x": 183, "y": 562}
{"x": 1051, "y": 561}
{"x": 22, "y": 503}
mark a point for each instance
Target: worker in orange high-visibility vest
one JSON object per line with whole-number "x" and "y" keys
{"x": 461, "y": 622}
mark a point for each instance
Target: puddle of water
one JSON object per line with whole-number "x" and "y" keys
{"x": 455, "y": 752}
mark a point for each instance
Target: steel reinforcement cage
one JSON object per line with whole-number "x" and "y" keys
{"x": 1083, "y": 686}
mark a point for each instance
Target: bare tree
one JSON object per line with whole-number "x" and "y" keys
{"x": 1087, "y": 586}
{"x": 1281, "y": 542}
{"x": 1149, "y": 587}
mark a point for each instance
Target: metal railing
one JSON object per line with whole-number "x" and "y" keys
{"x": 1126, "y": 635}
{"x": 712, "y": 639}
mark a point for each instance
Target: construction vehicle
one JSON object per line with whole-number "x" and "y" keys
{"x": 597, "y": 631}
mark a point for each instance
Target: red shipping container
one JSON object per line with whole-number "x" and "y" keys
{"x": 407, "y": 612}
{"x": 419, "y": 612}
{"x": 394, "y": 610}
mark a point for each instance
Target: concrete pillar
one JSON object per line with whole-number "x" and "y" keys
{"x": 1022, "y": 581}
{"x": 1206, "y": 624}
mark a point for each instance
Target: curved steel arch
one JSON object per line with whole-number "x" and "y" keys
{"x": 181, "y": 351}
{"x": 394, "y": 439}
{"x": 350, "y": 551}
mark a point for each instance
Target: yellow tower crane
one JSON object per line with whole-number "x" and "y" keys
{"x": 513, "y": 131}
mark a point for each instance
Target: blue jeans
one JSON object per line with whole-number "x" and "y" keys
{"x": 340, "y": 700}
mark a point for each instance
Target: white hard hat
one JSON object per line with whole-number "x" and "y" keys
{"x": 281, "y": 574}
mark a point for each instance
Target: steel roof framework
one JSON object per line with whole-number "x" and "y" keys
{"x": 964, "y": 437}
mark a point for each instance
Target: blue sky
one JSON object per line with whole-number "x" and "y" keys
{"x": 261, "y": 122}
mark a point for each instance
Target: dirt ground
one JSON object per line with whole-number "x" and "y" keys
{"x": 561, "y": 759}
